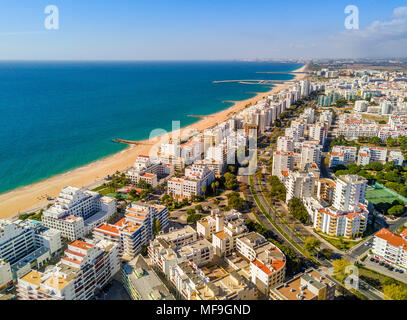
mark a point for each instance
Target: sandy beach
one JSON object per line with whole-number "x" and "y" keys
{"x": 34, "y": 195}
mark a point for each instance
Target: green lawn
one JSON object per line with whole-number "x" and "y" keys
{"x": 378, "y": 280}
{"x": 340, "y": 243}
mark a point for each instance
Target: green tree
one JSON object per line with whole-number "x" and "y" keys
{"x": 230, "y": 181}
{"x": 394, "y": 292}
{"x": 235, "y": 201}
{"x": 156, "y": 226}
{"x": 396, "y": 210}
{"x": 312, "y": 244}
{"x": 339, "y": 266}
{"x": 190, "y": 211}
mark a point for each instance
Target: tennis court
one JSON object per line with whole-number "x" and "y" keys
{"x": 378, "y": 194}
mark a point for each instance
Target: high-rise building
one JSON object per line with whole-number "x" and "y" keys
{"x": 282, "y": 161}
{"x": 390, "y": 247}
{"x": 350, "y": 190}
{"x": 27, "y": 243}
{"x": 300, "y": 185}
{"x": 136, "y": 229}
{"x": 196, "y": 178}
{"x": 76, "y": 211}
{"x": 86, "y": 267}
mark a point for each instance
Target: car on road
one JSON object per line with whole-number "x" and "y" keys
{"x": 372, "y": 259}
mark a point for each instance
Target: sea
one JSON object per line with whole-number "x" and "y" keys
{"x": 57, "y": 116}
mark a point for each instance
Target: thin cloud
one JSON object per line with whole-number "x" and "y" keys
{"x": 380, "y": 38}
{"x": 21, "y": 33}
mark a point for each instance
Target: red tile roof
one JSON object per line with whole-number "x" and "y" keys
{"x": 391, "y": 238}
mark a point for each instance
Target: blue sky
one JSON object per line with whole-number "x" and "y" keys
{"x": 195, "y": 29}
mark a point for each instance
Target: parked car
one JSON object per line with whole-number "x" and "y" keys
{"x": 372, "y": 259}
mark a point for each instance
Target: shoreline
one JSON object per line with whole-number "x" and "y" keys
{"x": 31, "y": 197}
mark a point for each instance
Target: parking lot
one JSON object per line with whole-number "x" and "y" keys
{"x": 385, "y": 269}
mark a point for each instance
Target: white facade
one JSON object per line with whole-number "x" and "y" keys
{"x": 196, "y": 177}
{"x": 390, "y": 247}
{"x": 300, "y": 185}
{"x": 349, "y": 192}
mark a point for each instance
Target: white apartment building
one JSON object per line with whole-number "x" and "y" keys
{"x": 361, "y": 105}
{"x": 85, "y": 267}
{"x": 6, "y": 277}
{"x": 215, "y": 222}
{"x": 267, "y": 262}
{"x": 162, "y": 251}
{"x": 285, "y": 144}
{"x": 310, "y": 285}
{"x": 342, "y": 155}
{"x": 350, "y": 190}
{"x": 310, "y": 153}
{"x": 196, "y": 177}
{"x": 390, "y": 248}
{"x": 135, "y": 230}
{"x": 317, "y": 132}
{"x": 397, "y": 157}
{"x": 75, "y": 212}
{"x": 372, "y": 154}
{"x": 27, "y": 243}
{"x": 282, "y": 161}
{"x": 300, "y": 185}
{"x": 145, "y": 169}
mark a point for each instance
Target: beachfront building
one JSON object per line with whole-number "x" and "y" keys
{"x": 142, "y": 283}
{"x": 25, "y": 244}
{"x": 86, "y": 267}
{"x": 300, "y": 185}
{"x": 196, "y": 178}
{"x": 136, "y": 229}
{"x": 310, "y": 285}
{"x": 76, "y": 212}
{"x": 6, "y": 277}
{"x": 390, "y": 248}
{"x": 342, "y": 155}
{"x": 145, "y": 169}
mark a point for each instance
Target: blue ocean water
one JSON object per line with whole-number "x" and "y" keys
{"x": 56, "y": 116}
